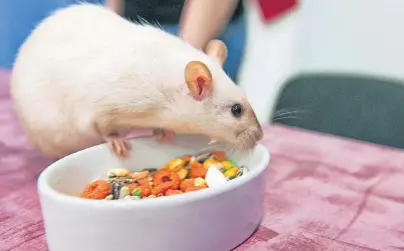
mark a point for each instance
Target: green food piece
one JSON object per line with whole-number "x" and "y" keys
{"x": 233, "y": 163}
{"x": 136, "y": 192}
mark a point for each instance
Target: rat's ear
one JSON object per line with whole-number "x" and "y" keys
{"x": 199, "y": 79}
{"x": 217, "y": 50}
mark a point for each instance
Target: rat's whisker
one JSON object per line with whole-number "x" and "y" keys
{"x": 213, "y": 142}
{"x": 158, "y": 25}
{"x": 287, "y": 117}
{"x": 231, "y": 151}
{"x": 207, "y": 148}
{"x": 278, "y": 114}
{"x": 291, "y": 109}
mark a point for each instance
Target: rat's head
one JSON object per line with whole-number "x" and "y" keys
{"x": 218, "y": 107}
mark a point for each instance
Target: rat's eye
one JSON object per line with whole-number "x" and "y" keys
{"x": 237, "y": 110}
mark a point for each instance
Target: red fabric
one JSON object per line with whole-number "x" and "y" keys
{"x": 323, "y": 193}
{"x": 272, "y": 9}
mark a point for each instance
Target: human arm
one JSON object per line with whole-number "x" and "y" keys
{"x": 115, "y": 5}
{"x": 203, "y": 20}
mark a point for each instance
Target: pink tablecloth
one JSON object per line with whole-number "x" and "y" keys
{"x": 323, "y": 193}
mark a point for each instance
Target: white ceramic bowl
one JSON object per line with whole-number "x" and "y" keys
{"x": 213, "y": 219}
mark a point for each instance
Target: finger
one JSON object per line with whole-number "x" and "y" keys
{"x": 170, "y": 137}
{"x": 122, "y": 147}
{"x": 117, "y": 148}
{"x": 127, "y": 144}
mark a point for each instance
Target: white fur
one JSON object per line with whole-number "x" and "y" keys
{"x": 85, "y": 57}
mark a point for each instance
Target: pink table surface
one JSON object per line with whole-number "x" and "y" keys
{"x": 323, "y": 192}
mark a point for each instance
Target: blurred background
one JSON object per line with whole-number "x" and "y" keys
{"x": 324, "y": 65}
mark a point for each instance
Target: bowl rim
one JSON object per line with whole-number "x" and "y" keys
{"x": 45, "y": 189}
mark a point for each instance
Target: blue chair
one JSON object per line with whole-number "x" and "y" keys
{"x": 366, "y": 108}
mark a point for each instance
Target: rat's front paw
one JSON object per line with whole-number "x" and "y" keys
{"x": 162, "y": 134}
{"x": 119, "y": 145}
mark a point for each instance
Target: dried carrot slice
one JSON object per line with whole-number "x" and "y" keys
{"x": 97, "y": 190}
{"x": 194, "y": 188}
{"x": 198, "y": 172}
{"x": 161, "y": 189}
{"x": 187, "y": 183}
{"x": 163, "y": 176}
{"x": 219, "y": 155}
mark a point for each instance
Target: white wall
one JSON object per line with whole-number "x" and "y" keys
{"x": 359, "y": 36}
{"x": 268, "y": 60}
{"x": 348, "y": 36}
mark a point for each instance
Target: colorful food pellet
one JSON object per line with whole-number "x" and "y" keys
{"x": 233, "y": 163}
{"x": 187, "y": 183}
{"x": 207, "y": 163}
{"x": 97, "y": 190}
{"x": 231, "y": 173}
{"x": 123, "y": 192}
{"x": 186, "y": 158}
{"x": 140, "y": 175}
{"x": 136, "y": 192}
{"x": 193, "y": 188}
{"x": 161, "y": 189}
{"x": 200, "y": 182}
{"x": 183, "y": 174}
{"x": 175, "y": 165}
{"x": 118, "y": 173}
{"x": 219, "y": 155}
{"x": 198, "y": 172}
{"x": 164, "y": 176}
{"x": 227, "y": 164}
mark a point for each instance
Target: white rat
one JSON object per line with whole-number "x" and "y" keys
{"x": 85, "y": 75}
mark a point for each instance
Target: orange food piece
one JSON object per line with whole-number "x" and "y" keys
{"x": 132, "y": 187}
{"x": 145, "y": 189}
{"x": 195, "y": 163}
{"x": 173, "y": 192}
{"x": 97, "y": 190}
{"x": 163, "y": 169}
{"x": 186, "y": 158}
{"x": 187, "y": 183}
{"x": 161, "y": 189}
{"x": 143, "y": 182}
{"x": 198, "y": 172}
{"x": 141, "y": 175}
{"x": 219, "y": 155}
{"x": 164, "y": 176}
{"x": 194, "y": 188}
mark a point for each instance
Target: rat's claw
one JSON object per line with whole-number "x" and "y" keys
{"x": 119, "y": 145}
{"x": 162, "y": 134}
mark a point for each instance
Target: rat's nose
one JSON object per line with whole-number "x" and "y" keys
{"x": 258, "y": 133}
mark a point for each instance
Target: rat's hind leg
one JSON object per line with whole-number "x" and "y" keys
{"x": 108, "y": 127}
{"x": 163, "y": 134}
{"x": 118, "y": 144}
